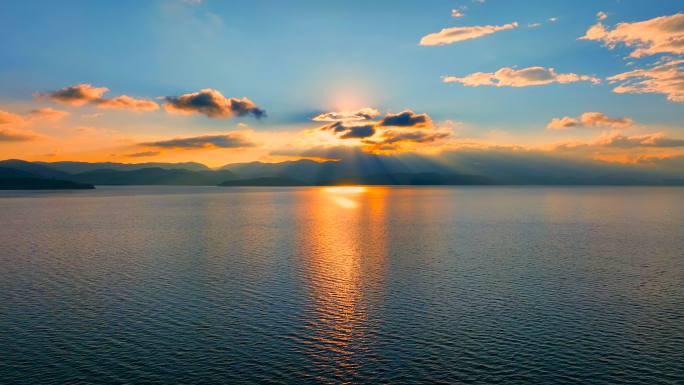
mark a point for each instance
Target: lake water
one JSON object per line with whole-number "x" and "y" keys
{"x": 314, "y": 285}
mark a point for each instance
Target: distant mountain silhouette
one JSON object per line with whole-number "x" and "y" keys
{"x": 35, "y": 169}
{"x": 154, "y": 176}
{"x": 81, "y": 167}
{"x": 18, "y": 179}
{"x": 458, "y": 168}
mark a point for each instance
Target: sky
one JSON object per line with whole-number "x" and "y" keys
{"x": 220, "y": 82}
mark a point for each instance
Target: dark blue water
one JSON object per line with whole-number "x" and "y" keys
{"x": 310, "y": 285}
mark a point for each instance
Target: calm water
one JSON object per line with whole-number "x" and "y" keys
{"x": 394, "y": 285}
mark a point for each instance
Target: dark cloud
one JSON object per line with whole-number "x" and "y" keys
{"x": 359, "y": 132}
{"x": 143, "y": 154}
{"x": 77, "y": 95}
{"x": 213, "y": 104}
{"x": 406, "y": 118}
{"x": 232, "y": 140}
{"x": 350, "y": 131}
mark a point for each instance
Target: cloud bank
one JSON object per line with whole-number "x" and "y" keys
{"x": 231, "y": 140}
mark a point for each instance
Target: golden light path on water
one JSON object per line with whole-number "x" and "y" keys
{"x": 343, "y": 250}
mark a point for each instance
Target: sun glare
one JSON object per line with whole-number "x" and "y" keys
{"x": 346, "y": 189}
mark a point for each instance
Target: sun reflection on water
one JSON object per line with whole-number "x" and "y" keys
{"x": 343, "y": 254}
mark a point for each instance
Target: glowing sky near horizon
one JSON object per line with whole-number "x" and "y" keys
{"x": 220, "y": 82}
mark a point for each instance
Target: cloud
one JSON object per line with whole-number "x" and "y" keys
{"x": 231, "y": 140}
{"x": 589, "y": 119}
{"x": 393, "y": 136}
{"x": 48, "y": 114}
{"x": 77, "y": 95}
{"x": 456, "y": 34}
{"x": 664, "y": 34}
{"x": 82, "y": 94}
{"x": 10, "y": 118}
{"x": 213, "y": 104}
{"x": 406, "y": 118}
{"x": 601, "y": 15}
{"x": 360, "y": 114}
{"x": 350, "y": 130}
{"x": 143, "y": 154}
{"x": 658, "y": 139}
{"x": 128, "y": 103}
{"x": 15, "y": 135}
{"x": 389, "y": 131}
{"x": 457, "y": 13}
{"x": 509, "y": 77}
{"x": 663, "y": 78}
{"x": 356, "y": 132}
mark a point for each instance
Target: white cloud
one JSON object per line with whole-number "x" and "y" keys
{"x": 509, "y": 77}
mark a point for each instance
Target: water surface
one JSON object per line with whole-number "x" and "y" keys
{"x": 395, "y": 285}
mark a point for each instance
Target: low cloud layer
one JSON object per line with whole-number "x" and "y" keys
{"x": 647, "y": 140}
{"x": 231, "y": 140}
{"x": 8, "y": 134}
{"x": 15, "y": 127}
{"x": 82, "y": 94}
{"x": 659, "y": 35}
{"x": 457, "y": 34}
{"x": 526, "y": 77}
{"x": 213, "y": 104}
{"x": 665, "y": 78}
{"x": 589, "y": 119}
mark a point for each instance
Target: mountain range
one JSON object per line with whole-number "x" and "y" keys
{"x": 358, "y": 169}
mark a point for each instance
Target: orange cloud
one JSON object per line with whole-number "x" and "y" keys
{"x": 509, "y": 77}
{"x": 664, "y": 78}
{"x": 8, "y": 134}
{"x": 657, "y": 139}
{"x": 456, "y": 34}
{"x": 663, "y": 34}
{"x": 10, "y": 118}
{"x": 589, "y": 119}
{"x": 129, "y": 103}
{"x": 82, "y": 94}
{"x": 50, "y": 114}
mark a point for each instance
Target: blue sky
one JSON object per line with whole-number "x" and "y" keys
{"x": 299, "y": 58}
